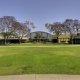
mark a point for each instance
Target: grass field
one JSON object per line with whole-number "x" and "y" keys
{"x": 59, "y": 59}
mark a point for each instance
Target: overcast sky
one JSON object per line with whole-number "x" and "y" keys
{"x": 40, "y": 11}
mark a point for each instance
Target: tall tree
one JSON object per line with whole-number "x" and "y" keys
{"x": 77, "y": 26}
{"x": 56, "y": 28}
{"x": 70, "y": 28}
{"x": 29, "y": 24}
{"x": 20, "y": 30}
{"x": 6, "y": 26}
{"x": 9, "y": 26}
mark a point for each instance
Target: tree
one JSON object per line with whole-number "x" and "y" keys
{"x": 77, "y": 26}
{"x": 21, "y": 30}
{"x": 37, "y": 36}
{"x": 56, "y": 28}
{"x": 29, "y": 24}
{"x": 6, "y": 26}
{"x": 72, "y": 27}
{"x": 25, "y": 30}
{"x": 9, "y": 27}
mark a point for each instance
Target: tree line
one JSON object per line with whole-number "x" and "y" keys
{"x": 9, "y": 26}
{"x": 69, "y": 26}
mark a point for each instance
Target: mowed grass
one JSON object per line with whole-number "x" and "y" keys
{"x": 33, "y": 44}
{"x": 40, "y": 60}
{"x": 36, "y": 44}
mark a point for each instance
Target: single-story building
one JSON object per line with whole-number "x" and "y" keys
{"x": 64, "y": 38}
{"x": 11, "y": 40}
{"x": 43, "y": 35}
{"x": 76, "y": 40}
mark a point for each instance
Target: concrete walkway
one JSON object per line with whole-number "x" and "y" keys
{"x": 41, "y": 77}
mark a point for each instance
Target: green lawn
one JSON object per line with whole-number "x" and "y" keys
{"x": 36, "y": 44}
{"x": 39, "y": 60}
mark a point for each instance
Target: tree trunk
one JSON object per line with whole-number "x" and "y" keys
{"x": 5, "y": 41}
{"x": 71, "y": 39}
{"x": 57, "y": 38}
{"x": 19, "y": 40}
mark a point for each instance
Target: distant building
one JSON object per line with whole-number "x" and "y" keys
{"x": 42, "y": 34}
{"x": 11, "y": 40}
{"x": 76, "y": 39}
{"x": 64, "y": 38}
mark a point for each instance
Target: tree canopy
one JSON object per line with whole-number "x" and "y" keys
{"x": 9, "y": 26}
{"x": 69, "y": 26}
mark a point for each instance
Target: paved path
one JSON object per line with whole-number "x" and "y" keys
{"x": 41, "y": 77}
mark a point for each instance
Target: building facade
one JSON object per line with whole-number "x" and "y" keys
{"x": 42, "y": 34}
